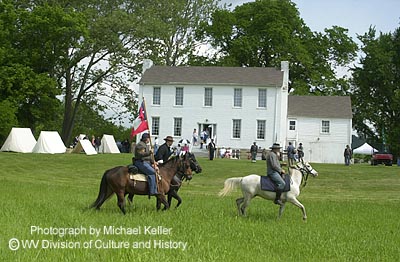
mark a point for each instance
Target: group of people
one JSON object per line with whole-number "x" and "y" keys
{"x": 294, "y": 154}
{"x": 95, "y": 141}
{"x": 229, "y": 153}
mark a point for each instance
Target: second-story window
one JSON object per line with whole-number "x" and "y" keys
{"x": 179, "y": 96}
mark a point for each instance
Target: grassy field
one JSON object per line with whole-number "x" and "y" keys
{"x": 353, "y": 215}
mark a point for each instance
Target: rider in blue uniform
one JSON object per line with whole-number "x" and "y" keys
{"x": 145, "y": 163}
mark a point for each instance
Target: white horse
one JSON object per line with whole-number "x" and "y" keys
{"x": 251, "y": 187}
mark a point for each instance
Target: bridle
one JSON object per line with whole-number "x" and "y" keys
{"x": 183, "y": 167}
{"x": 305, "y": 172}
{"x": 194, "y": 166}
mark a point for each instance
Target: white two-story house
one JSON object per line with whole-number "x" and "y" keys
{"x": 238, "y": 106}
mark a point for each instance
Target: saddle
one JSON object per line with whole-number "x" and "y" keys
{"x": 135, "y": 176}
{"x": 268, "y": 185}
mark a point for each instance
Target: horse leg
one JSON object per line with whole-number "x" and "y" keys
{"x": 121, "y": 201}
{"x": 158, "y": 205}
{"x": 239, "y": 202}
{"x": 297, "y": 203}
{"x": 107, "y": 195}
{"x": 174, "y": 194}
{"x": 281, "y": 209}
{"x": 161, "y": 198}
{"x": 170, "y": 193}
{"x": 246, "y": 201}
{"x": 130, "y": 198}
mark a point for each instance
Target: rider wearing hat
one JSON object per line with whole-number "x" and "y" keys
{"x": 274, "y": 171}
{"x": 164, "y": 152}
{"x": 144, "y": 162}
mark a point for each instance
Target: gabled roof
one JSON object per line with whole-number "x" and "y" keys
{"x": 212, "y": 75}
{"x": 320, "y": 106}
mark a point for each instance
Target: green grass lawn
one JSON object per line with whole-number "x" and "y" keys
{"x": 353, "y": 215}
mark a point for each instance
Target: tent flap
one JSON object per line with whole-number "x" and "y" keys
{"x": 86, "y": 146}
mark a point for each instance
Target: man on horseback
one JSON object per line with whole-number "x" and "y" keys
{"x": 274, "y": 171}
{"x": 144, "y": 162}
{"x": 164, "y": 152}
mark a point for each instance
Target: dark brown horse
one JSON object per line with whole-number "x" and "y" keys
{"x": 117, "y": 180}
{"x": 176, "y": 184}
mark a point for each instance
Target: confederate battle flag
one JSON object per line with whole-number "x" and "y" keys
{"x": 140, "y": 123}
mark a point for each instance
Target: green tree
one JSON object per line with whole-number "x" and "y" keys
{"x": 171, "y": 28}
{"x": 266, "y": 32}
{"x": 376, "y": 97}
{"x": 8, "y": 119}
{"x": 85, "y": 46}
{"x": 29, "y": 94}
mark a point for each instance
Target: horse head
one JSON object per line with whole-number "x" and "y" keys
{"x": 194, "y": 165}
{"x": 185, "y": 166}
{"x": 307, "y": 168}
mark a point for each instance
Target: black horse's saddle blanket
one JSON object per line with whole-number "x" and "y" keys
{"x": 268, "y": 185}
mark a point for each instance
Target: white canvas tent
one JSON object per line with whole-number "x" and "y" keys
{"x": 49, "y": 142}
{"x": 365, "y": 149}
{"x": 108, "y": 145}
{"x": 86, "y": 146}
{"x": 19, "y": 140}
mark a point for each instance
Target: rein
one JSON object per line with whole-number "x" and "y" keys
{"x": 304, "y": 172}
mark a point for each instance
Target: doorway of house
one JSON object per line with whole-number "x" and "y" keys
{"x": 210, "y": 130}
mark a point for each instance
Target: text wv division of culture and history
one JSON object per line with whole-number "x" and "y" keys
{"x": 16, "y": 243}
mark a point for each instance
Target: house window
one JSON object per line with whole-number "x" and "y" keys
{"x": 262, "y": 98}
{"x": 156, "y": 95}
{"x": 208, "y": 96}
{"x": 236, "y": 128}
{"x": 292, "y": 125}
{"x": 261, "y": 129}
{"x": 177, "y": 126}
{"x": 179, "y": 96}
{"x": 155, "y": 126}
{"x": 237, "y": 97}
{"x": 325, "y": 127}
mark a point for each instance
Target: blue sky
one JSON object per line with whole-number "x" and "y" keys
{"x": 355, "y": 15}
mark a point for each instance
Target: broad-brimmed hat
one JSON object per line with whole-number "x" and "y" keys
{"x": 275, "y": 146}
{"x": 169, "y": 138}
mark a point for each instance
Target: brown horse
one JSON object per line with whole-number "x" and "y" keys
{"x": 117, "y": 180}
{"x": 176, "y": 184}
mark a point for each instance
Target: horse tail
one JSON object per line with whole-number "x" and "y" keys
{"x": 102, "y": 192}
{"x": 230, "y": 184}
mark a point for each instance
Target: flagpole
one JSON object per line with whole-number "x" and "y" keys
{"x": 145, "y": 116}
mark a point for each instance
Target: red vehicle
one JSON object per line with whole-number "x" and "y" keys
{"x": 382, "y": 158}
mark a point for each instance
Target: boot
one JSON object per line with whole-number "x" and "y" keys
{"x": 278, "y": 200}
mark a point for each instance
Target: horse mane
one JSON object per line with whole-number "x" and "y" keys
{"x": 171, "y": 159}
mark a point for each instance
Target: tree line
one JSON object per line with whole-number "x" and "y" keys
{"x": 60, "y": 59}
